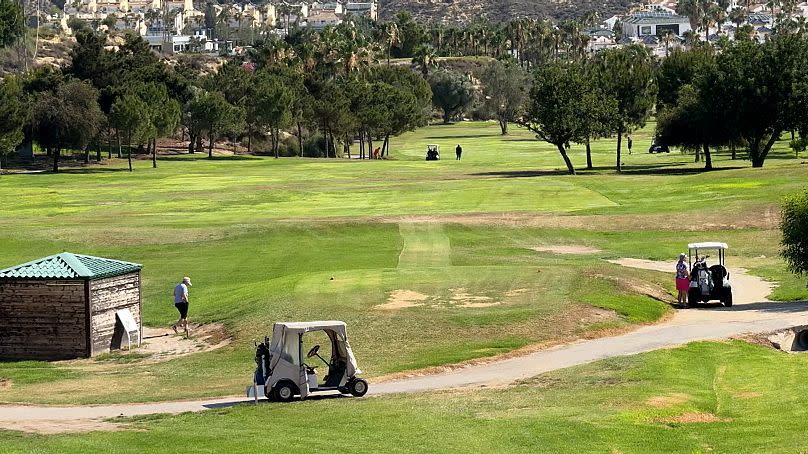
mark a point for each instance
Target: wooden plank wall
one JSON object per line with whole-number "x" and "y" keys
{"x": 107, "y": 296}
{"x": 42, "y": 320}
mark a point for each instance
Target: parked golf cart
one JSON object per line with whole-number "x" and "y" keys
{"x": 433, "y": 152}
{"x": 658, "y": 147}
{"x": 282, "y": 372}
{"x": 708, "y": 282}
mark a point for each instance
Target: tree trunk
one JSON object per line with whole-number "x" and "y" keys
{"x": 503, "y": 125}
{"x": 300, "y": 138}
{"x": 588, "y": 154}
{"x": 191, "y": 144}
{"x": 325, "y": 136}
{"x": 734, "y": 151}
{"x": 708, "y": 159}
{"x": 276, "y": 142}
{"x": 249, "y": 139}
{"x": 98, "y": 151}
{"x": 86, "y": 155}
{"x": 446, "y": 117}
{"x": 619, "y": 144}
{"x": 154, "y": 154}
{"x": 118, "y": 134}
{"x": 333, "y": 144}
{"x": 361, "y": 145}
{"x": 370, "y": 145}
{"x": 759, "y": 155}
{"x": 109, "y": 145}
{"x": 567, "y": 161}
{"x": 698, "y": 155}
{"x": 210, "y": 146}
{"x": 129, "y": 151}
{"x": 199, "y": 143}
{"x": 56, "y": 152}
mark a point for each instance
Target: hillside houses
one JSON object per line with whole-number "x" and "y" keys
{"x": 181, "y": 25}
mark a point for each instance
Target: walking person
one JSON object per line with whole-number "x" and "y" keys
{"x": 629, "y": 142}
{"x": 459, "y": 151}
{"x": 682, "y": 279}
{"x": 181, "y": 303}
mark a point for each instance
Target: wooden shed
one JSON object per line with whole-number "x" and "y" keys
{"x": 64, "y": 306}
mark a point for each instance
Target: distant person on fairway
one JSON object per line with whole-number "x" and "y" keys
{"x": 181, "y": 303}
{"x": 459, "y": 151}
{"x": 629, "y": 143}
{"x": 682, "y": 279}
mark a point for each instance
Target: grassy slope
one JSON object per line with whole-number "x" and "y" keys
{"x": 250, "y": 232}
{"x": 636, "y": 404}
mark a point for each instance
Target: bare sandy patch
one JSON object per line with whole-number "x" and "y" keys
{"x": 402, "y": 299}
{"x": 481, "y": 305}
{"x": 668, "y": 400}
{"x": 50, "y": 427}
{"x": 163, "y": 344}
{"x": 567, "y": 249}
{"x": 694, "y": 417}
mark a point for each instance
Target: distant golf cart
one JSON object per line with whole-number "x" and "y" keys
{"x": 708, "y": 283}
{"x": 433, "y": 152}
{"x": 658, "y": 147}
{"x": 282, "y": 373}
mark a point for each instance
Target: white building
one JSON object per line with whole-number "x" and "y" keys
{"x": 654, "y": 23}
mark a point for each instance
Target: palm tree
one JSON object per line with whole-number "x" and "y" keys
{"x": 425, "y": 57}
{"x": 668, "y": 38}
{"x": 737, "y": 16}
{"x": 392, "y": 37}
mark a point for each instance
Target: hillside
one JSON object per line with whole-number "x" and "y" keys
{"x": 461, "y": 11}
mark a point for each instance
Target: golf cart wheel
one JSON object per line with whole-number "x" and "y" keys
{"x": 284, "y": 391}
{"x": 728, "y": 299}
{"x": 358, "y": 387}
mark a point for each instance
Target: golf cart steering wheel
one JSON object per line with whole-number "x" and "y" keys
{"x": 313, "y": 351}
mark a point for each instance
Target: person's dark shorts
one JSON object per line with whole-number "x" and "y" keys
{"x": 183, "y": 308}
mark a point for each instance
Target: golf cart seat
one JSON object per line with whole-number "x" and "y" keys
{"x": 719, "y": 272}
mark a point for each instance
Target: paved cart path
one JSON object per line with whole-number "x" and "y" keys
{"x": 751, "y": 313}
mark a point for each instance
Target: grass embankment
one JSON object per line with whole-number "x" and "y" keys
{"x": 263, "y": 238}
{"x": 705, "y": 397}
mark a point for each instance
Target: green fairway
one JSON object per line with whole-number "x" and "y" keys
{"x": 292, "y": 239}
{"x": 705, "y": 397}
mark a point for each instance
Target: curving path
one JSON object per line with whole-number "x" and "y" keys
{"x": 751, "y": 313}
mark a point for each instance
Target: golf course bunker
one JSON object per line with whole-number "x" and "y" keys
{"x": 792, "y": 340}
{"x": 570, "y": 249}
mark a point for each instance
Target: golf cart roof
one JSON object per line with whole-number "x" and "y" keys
{"x": 708, "y": 245}
{"x": 313, "y": 326}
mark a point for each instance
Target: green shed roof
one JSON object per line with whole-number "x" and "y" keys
{"x": 69, "y": 266}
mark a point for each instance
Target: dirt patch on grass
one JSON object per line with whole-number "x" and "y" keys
{"x": 567, "y": 249}
{"x": 668, "y": 400}
{"x": 402, "y": 299}
{"x": 163, "y": 344}
{"x": 50, "y": 427}
{"x": 5, "y": 383}
{"x": 693, "y": 417}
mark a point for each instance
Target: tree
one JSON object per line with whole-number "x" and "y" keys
{"x": 626, "y": 75}
{"x": 12, "y": 23}
{"x": 794, "y": 226}
{"x": 130, "y": 114}
{"x": 68, "y": 117}
{"x": 13, "y": 115}
{"x": 273, "y": 105}
{"x": 425, "y": 58}
{"x": 560, "y": 101}
{"x": 164, "y": 113}
{"x": 215, "y": 116}
{"x": 505, "y": 89}
{"x": 452, "y": 92}
{"x": 690, "y": 124}
{"x": 679, "y": 69}
{"x": 756, "y": 86}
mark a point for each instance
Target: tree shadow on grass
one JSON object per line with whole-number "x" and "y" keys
{"x": 521, "y": 173}
{"x": 204, "y": 157}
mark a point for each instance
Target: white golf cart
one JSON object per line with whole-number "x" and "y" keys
{"x": 708, "y": 282}
{"x": 282, "y": 372}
